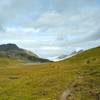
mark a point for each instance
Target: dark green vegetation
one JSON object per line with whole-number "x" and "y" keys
{"x": 13, "y": 51}
{"x": 19, "y": 81}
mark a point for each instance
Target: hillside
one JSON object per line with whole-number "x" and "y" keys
{"x": 76, "y": 78}
{"x": 91, "y": 54}
{"x": 12, "y": 51}
{"x": 63, "y": 57}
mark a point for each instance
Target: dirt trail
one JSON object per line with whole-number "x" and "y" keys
{"x": 70, "y": 89}
{"x": 65, "y": 94}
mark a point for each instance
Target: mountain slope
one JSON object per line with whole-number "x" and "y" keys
{"x": 87, "y": 84}
{"x": 13, "y": 51}
{"x": 63, "y": 57}
{"x": 91, "y": 55}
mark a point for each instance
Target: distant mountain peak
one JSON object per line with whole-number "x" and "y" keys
{"x": 8, "y": 46}
{"x": 65, "y": 56}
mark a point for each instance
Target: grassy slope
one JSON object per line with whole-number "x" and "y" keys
{"x": 48, "y": 81}
{"x": 7, "y": 62}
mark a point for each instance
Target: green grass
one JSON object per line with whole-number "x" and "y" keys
{"x": 7, "y": 62}
{"x": 48, "y": 81}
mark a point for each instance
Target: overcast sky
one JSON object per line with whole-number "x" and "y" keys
{"x": 50, "y": 27}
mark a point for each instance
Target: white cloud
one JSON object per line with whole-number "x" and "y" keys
{"x": 21, "y": 30}
{"x": 50, "y": 48}
{"x": 50, "y": 19}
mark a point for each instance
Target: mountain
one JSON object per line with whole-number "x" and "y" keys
{"x": 13, "y": 51}
{"x": 77, "y": 52}
{"x": 64, "y": 56}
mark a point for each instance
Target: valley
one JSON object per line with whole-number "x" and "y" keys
{"x": 78, "y": 75}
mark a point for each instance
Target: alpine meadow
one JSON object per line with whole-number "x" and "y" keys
{"x": 49, "y": 49}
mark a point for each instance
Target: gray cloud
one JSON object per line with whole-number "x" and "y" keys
{"x": 11, "y": 10}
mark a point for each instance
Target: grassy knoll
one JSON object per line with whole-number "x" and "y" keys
{"x": 48, "y": 81}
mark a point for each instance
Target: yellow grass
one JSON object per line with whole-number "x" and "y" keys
{"x": 48, "y": 81}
